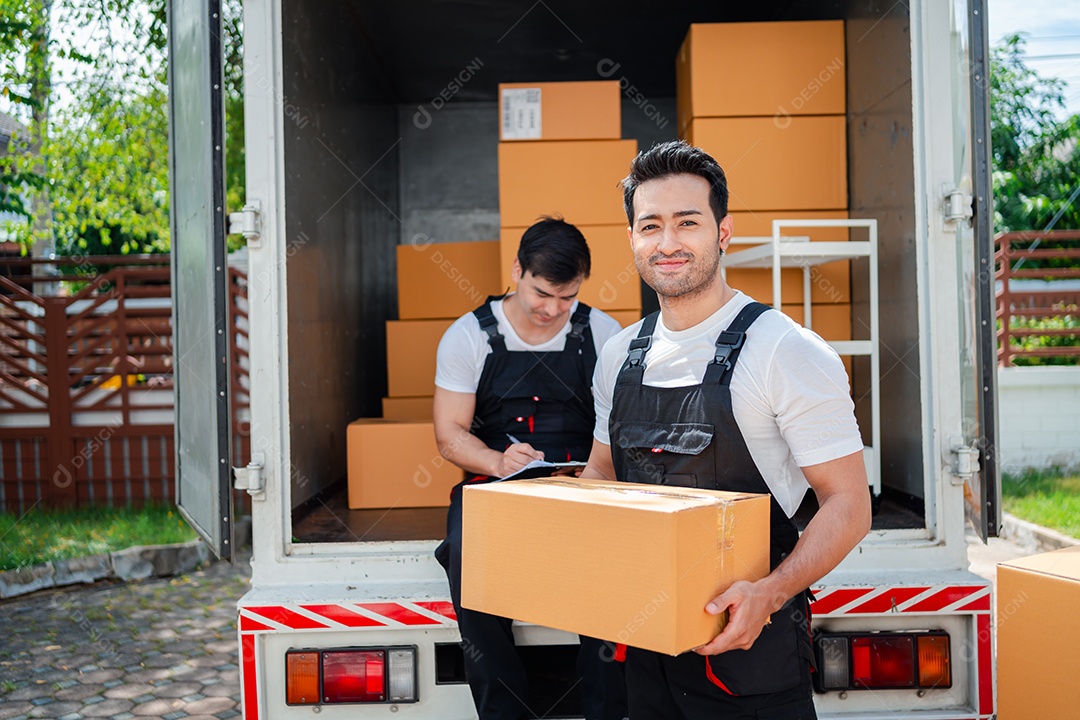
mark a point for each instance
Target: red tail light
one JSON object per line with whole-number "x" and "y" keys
{"x": 881, "y": 661}
{"x": 354, "y": 676}
{"x": 369, "y": 675}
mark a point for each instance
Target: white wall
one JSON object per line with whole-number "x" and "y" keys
{"x": 1039, "y": 417}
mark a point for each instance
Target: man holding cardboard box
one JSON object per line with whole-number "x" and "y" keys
{"x": 513, "y": 384}
{"x": 717, "y": 391}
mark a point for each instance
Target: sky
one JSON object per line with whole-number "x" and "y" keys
{"x": 1052, "y": 28}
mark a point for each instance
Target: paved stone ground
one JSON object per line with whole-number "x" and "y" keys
{"x": 161, "y": 648}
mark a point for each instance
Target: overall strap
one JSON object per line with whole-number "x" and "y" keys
{"x": 633, "y": 370}
{"x": 730, "y": 343}
{"x": 579, "y": 323}
{"x": 490, "y": 325}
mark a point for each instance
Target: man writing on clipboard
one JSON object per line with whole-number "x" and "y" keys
{"x": 513, "y": 385}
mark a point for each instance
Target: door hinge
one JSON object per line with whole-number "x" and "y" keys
{"x": 250, "y": 478}
{"x": 956, "y": 206}
{"x": 965, "y": 463}
{"x": 247, "y": 222}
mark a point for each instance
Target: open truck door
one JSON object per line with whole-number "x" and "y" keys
{"x": 199, "y": 271}
{"x": 968, "y": 206}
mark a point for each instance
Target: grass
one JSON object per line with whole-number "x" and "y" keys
{"x": 40, "y": 536}
{"x": 1050, "y": 498}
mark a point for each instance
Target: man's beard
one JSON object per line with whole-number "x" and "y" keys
{"x": 699, "y": 274}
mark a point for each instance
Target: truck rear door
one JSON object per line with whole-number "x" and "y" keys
{"x": 200, "y": 319}
{"x": 974, "y": 456}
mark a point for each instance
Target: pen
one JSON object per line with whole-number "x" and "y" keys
{"x": 513, "y": 439}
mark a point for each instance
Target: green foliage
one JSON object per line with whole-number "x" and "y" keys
{"x": 1035, "y": 155}
{"x": 99, "y": 184}
{"x": 39, "y": 537}
{"x": 1050, "y": 498}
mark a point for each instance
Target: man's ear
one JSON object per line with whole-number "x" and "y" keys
{"x": 516, "y": 272}
{"x": 727, "y": 228}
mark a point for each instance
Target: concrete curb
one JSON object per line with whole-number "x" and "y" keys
{"x": 1033, "y": 537}
{"x": 134, "y": 563}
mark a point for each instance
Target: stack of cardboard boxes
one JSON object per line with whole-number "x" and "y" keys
{"x": 561, "y": 154}
{"x": 393, "y": 460}
{"x": 767, "y": 100}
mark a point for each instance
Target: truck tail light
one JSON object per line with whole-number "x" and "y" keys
{"x": 347, "y": 675}
{"x": 934, "y": 666}
{"x": 882, "y": 661}
{"x": 354, "y": 676}
{"x": 302, "y": 678}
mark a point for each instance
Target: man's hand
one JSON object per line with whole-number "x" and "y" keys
{"x": 749, "y": 607}
{"x": 516, "y": 457}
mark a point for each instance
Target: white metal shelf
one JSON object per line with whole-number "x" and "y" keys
{"x": 779, "y": 251}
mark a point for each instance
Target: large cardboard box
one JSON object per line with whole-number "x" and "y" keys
{"x": 407, "y": 408}
{"x": 575, "y": 179}
{"x": 613, "y": 282}
{"x": 1038, "y": 636}
{"x": 800, "y": 164}
{"x": 761, "y": 69}
{"x": 629, "y": 563}
{"x": 411, "y": 346}
{"x": 588, "y": 110}
{"x": 396, "y": 464}
{"x": 829, "y": 283}
{"x": 446, "y": 280}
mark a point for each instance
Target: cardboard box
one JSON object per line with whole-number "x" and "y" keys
{"x": 407, "y": 408}
{"x": 628, "y": 563}
{"x": 446, "y": 280}
{"x": 829, "y": 283}
{"x": 800, "y": 164}
{"x": 575, "y": 179}
{"x": 395, "y": 464}
{"x": 1038, "y": 636}
{"x": 587, "y": 110}
{"x": 831, "y": 322}
{"x": 761, "y": 69}
{"x": 626, "y": 318}
{"x": 613, "y": 283}
{"x": 410, "y": 355}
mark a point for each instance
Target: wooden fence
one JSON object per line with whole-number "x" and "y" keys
{"x": 1023, "y": 256}
{"x": 86, "y": 392}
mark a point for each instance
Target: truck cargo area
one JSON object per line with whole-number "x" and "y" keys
{"x": 390, "y": 133}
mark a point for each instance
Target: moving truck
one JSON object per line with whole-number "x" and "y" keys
{"x": 369, "y": 125}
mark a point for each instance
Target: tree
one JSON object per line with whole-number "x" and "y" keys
{"x": 100, "y": 163}
{"x": 1035, "y": 155}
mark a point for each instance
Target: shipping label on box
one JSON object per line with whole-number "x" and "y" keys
{"x": 521, "y": 115}
{"x": 624, "y": 562}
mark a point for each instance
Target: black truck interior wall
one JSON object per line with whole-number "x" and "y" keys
{"x": 391, "y": 129}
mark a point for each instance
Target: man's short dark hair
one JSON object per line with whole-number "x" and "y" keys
{"x": 555, "y": 250}
{"x": 676, "y": 158}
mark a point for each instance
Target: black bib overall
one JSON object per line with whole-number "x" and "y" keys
{"x": 687, "y": 436}
{"x": 544, "y": 399}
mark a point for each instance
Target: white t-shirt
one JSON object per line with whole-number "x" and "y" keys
{"x": 789, "y": 391}
{"x": 464, "y": 347}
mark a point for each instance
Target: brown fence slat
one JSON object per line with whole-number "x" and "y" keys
{"x": 125, "y": 464}
{"x": 1034, "y": 303}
